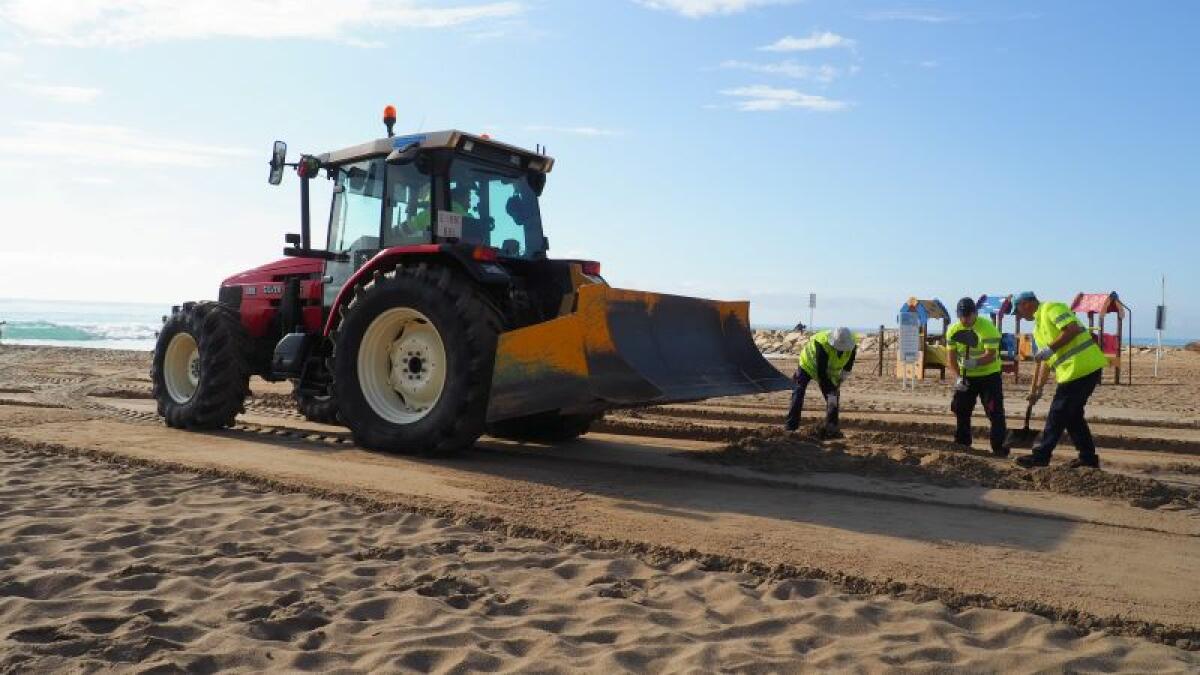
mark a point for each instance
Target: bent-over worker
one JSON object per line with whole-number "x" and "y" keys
{"x": 1067, "y": 347}
{"x": 978, "y": 377}
{"x": 827, "y": 358}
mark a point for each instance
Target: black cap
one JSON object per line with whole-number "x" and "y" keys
{"x": 966, "y": 306}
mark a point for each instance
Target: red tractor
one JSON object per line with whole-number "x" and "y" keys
{"x": 433, "y": 314}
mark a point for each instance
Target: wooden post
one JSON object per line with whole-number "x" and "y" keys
{"x": 881, "y": 350}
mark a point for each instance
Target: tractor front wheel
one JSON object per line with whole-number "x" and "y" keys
{"x": 412, "y": 361}
{"x": 200, "y": 375}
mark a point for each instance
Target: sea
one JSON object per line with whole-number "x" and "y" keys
{"x": 120, "y": 325}
{"x": 96, "y": 325}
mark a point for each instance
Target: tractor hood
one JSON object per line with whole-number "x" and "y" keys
{"x": 277, "y": 271}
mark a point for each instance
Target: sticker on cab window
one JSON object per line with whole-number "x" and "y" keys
{"x": 449, "y": 225}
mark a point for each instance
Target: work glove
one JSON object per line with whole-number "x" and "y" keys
{"x": 960, "y": 384}
{"x": 1044, "y": 354}
{"x": 971, "y": 363}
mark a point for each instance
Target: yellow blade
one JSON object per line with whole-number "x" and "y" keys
{"x": 625, "y": 348}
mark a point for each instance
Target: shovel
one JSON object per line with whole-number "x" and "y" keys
{"x": 1024, "y": 437}
{"x": 967, "y": 338}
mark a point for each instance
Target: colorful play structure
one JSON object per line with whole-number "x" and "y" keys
{"x": 1097, "y": 306}
{"x": 931, "y": 354}
{"x": 1012, "y": 349}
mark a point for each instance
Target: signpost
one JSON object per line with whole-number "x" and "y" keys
{"x": 812, "y": 304}
{"x": 1160, "y": 324}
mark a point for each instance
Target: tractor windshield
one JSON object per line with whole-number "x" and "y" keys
{"x": 499, "y": 208}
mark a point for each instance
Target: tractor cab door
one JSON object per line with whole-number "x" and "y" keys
{"x": 354, "y": 221}
{"x": 362, "y": 221}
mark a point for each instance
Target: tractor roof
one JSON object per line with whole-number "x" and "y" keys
{"x": 452, "y": 139}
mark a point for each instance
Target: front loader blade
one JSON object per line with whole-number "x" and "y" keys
{"x": 623, "y": 348}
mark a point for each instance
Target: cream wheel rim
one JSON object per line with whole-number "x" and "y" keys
{"x": 181, "y": 367}
{"x": 402, "y": 365}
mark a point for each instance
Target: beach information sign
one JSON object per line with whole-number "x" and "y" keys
{"x": 910, "y": 345}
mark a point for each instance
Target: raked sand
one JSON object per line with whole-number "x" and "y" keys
{"x": 104, "y": 566}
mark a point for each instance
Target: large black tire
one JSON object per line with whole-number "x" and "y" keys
{"x": 221, "y": 368}
{"x": 319, "y": 409}
{"x": 549, "y": 427}
{"x": 467, "y": 328}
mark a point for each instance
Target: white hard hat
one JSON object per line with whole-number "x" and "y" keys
{"x": 842, "y": 339}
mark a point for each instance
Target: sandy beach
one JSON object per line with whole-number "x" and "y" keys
{"x": 683, "y": 538}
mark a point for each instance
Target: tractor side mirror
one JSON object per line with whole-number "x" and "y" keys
{"x": 406, "y": 155}
{"x": 292, "y": 238}
{"x": 278, "y": 157}
{"x": 967, "y": 338}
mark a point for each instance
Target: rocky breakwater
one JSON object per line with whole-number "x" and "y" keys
{"x": 793, "y": 342}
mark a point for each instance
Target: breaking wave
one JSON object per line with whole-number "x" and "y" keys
{"x": 53, "y": 332}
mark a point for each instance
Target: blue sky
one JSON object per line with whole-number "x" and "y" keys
{"x": 865, "y": 151}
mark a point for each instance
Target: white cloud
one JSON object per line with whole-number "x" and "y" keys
{"x": 578, "y": 131}
{"x": 9, "y": 59}
{"x": 919, "y": 16}
{"x": 60, "y": 93}
{"x": 103, "y": 146}
{"x": 762, "y": 98}
{"x": 818, "y": 40}
{"x": 823, "y": 73}
{"x": 134, "y": 22}
{"x": 698, "y": 8}
{"x": 929, "y": 64}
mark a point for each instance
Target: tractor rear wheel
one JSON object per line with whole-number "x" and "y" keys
{"x": 200, "y": 375}
{"x": 412, "y": 361}
{"x": 550, "y": 427}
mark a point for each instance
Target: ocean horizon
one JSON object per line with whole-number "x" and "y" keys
{"x": 134, "y": 326}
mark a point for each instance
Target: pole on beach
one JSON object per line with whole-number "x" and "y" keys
{"x": 880, "y": 370}
{"x": 1160, "y": 322}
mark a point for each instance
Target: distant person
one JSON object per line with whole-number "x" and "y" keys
{"x": 800, "y": 327}
{"x": 827, "y": 358}
{"x": 977, "y": 376}
{"x": 1064, "y": 345}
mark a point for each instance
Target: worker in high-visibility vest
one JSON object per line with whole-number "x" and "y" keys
{"x": 1066, "y": 346}
{"x": 978, "y": 376}
{"x": 827, "y": 358}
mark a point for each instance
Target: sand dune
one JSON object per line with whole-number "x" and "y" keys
{"x": 163, "y": 571}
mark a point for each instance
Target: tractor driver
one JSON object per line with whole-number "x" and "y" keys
{"x": 418, "y": 223}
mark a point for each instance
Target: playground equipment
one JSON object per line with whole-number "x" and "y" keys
{"x": 996, "y": 307}
{"x": 1100, "y": 305}
{"x": 931, "y": 355}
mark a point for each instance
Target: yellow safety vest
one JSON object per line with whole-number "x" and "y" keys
{"x": 808, "y": 357}
{"x": 989, "y": 338}
{"x": 1079, "y": 357}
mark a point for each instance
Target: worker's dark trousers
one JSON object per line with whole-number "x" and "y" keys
{"x": 989, "y": 389}
{"x": 801, "y": 380}
{"x": 1066, "y": 413}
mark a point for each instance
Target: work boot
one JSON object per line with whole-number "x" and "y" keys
{"x": 1030, "y": 461}
{"x": 1001, "y": 451}
{"x": 1090, "y": 462}
{"x": 829, "y": 432}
